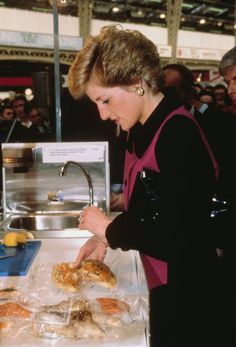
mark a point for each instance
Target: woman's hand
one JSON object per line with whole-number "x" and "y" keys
{"x": 94, "y": 220}
{"x": 92, "y": 249}
{"x": 117, "y": 202}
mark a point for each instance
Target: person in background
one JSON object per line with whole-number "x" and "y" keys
{"x": 169, "y": 178}
{"x": 219, "y": 126}
{"x": 6, "y": 112}
{"x": 22, "y": 129}
{"x": 198, "y": 87}
{"x": 181, "y": 78}
{"x": 207, "y": 97}
{"x": 38, "y": 120}
{"x": 227, "y": 69}
{"x": 6, "y": 122}
{"x": 18, "y": 105}
{"x": 222, "y": 100}
{"x": 208, "y": 88}
{"x": 6, "y": 119}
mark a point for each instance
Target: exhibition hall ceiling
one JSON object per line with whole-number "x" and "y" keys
{"x": 208, "y": 16}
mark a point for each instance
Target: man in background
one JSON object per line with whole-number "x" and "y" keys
{"x": 220, "y": 130}
{"x": 227, "y": 69}
{"x": 22, "y": 130}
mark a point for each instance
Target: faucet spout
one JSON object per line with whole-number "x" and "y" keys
{"x": 63, "y": 170}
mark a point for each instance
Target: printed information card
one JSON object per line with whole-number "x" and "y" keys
{"x": 80, "y": 152}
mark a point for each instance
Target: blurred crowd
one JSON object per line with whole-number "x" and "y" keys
{"x": 22, "y": 121}
{"x": 216, "y": 96}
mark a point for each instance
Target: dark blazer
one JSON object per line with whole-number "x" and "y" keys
{"x": 21, "y": 133}
{"x": 220, "y": 129}
{"x": 181, "y": 235}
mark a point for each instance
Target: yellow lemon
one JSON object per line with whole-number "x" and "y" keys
{"x": 10, "y": 239}
{"x": 13, "y": 239}
{"x": 21, "y": 239}
{"x": 29, "y": 235}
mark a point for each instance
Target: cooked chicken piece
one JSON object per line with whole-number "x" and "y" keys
{"x": 66, "y": 277}
{"x": 112, "y": 306}
{"x": 5, "y": 326}
{"x": 88, "y": 329}
{"x": 73, "y": 304}
{"x": 104, "y": 319}
{"x": 13, "y": 309}
{"x": 8, "y": 293}
{"x": 97, "y": 272}
{"x": 81, "y": 325}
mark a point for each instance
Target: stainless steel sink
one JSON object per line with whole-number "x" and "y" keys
{"x": 55, "y": 222}
{"x": 45, "y": 207}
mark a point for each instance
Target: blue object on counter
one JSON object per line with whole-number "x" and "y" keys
{"x": 20, "y": 263}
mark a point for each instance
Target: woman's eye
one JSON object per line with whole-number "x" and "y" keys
{"x": 106, "y": 101}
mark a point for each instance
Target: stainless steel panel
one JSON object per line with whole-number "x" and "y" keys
{"x": 28, "y": 178}
{"x": 41, "y": 222}
{"x": 42, "y": 207}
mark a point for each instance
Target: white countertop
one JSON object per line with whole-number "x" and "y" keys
{"x": 126, "y": 265}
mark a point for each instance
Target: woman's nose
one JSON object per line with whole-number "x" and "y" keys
{"x": 104, "y": 114}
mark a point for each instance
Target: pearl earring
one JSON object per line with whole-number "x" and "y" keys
{"x": 140, "y": 91}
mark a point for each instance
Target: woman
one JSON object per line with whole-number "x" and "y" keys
{"x": 169, "y": 179}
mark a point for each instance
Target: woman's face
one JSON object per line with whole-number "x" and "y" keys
{"x": 119, "y": 104}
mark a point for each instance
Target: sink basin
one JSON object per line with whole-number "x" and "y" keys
{"x": 45, "y": 207}
{"x": 42, "y": 222}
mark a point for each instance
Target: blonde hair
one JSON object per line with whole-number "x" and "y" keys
{"x": 116, "y": 57}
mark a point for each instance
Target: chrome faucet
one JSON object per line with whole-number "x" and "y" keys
{"x": 62, "y": 172}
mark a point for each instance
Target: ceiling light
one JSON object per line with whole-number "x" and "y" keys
{"x": 60, "y": 3}
{"x": 202, "y": 21}
{"x": 28, "y": 91}
{"x": 199, "y": 77}
{"x": 140, "y": 13}
{"x": 115, "y": 9}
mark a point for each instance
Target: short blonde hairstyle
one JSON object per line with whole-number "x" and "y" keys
{"x": 116, "y": 57}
